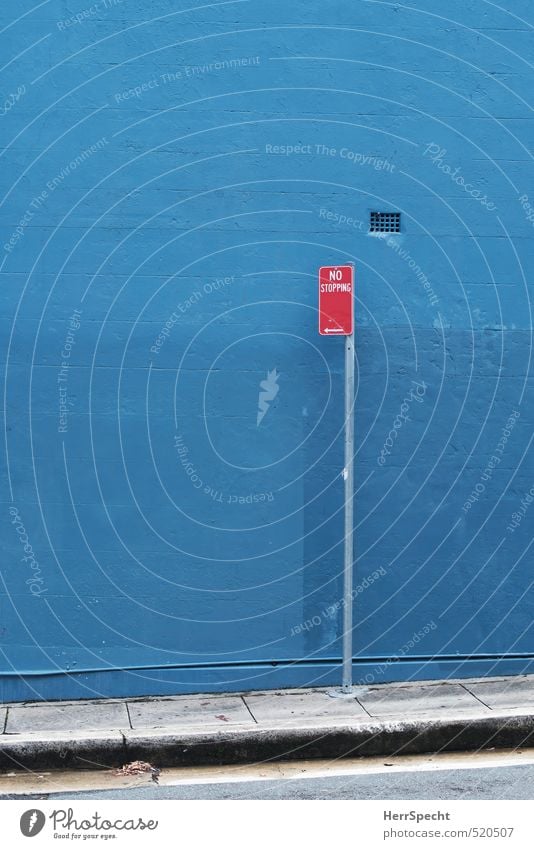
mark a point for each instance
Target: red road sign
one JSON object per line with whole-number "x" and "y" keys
{"x": 336, "y": 294}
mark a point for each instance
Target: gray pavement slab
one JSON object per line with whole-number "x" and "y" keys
{"x": 410, "y": 700}
{"x": 3, "y": 714}
{"x": 87, "y": 716}
{"x": 301, "y": 707}
{"x": 510, "y": 693}
{"x": 195, "y": 710}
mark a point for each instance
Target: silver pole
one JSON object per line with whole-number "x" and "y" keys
{"x": 348, "y": 474}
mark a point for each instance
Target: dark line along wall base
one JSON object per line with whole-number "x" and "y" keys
{"x": 213, "y": 679}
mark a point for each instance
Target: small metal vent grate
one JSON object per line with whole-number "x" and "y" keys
{"x": 385, "y": 222}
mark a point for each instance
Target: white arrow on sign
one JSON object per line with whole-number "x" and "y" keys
{"x": 334, "y": 330}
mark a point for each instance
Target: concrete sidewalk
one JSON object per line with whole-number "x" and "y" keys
{"x": 408, "y": 718}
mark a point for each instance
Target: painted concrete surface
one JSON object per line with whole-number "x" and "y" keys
{"x": 174, "y": 173}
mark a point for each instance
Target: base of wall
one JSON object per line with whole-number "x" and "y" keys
{"x": 129, "y": 683}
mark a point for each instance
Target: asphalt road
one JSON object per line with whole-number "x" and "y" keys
{"x": 509, "y": 782}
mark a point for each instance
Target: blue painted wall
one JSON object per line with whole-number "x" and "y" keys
{"x": 173, "y": 175}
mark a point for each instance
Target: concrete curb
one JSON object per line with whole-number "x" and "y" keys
{"x": 250, "y": 745}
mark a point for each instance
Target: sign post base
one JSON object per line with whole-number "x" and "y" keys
{"x": 342, "y": 694}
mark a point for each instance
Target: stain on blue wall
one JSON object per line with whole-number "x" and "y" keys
{"x": 173, "y": 175}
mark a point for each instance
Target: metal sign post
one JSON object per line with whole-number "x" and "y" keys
{"x": 348, "y": 474}
{"x": 336, "y": 310}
